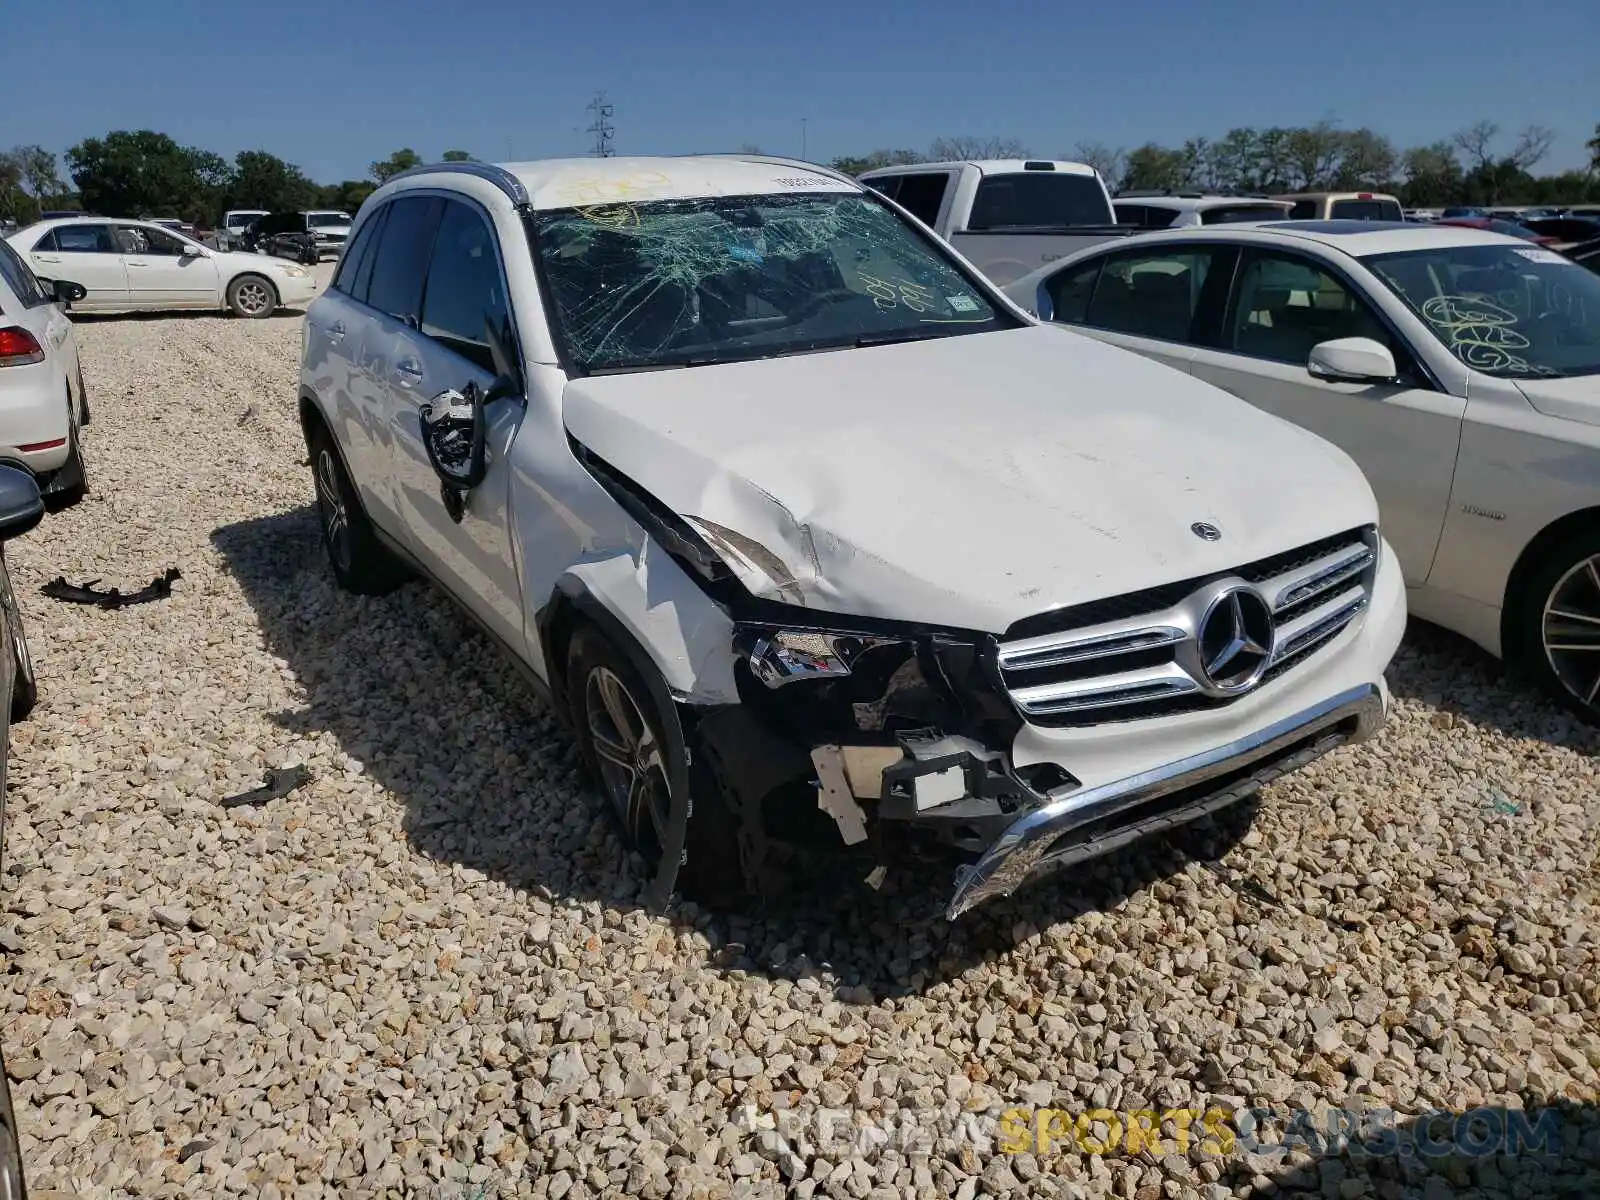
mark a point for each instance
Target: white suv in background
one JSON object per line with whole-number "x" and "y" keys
{"x": 42, "y": 398}
{"x": 1184, "y": 210}
{"x": 331, "y": 230}
{"x": 788, "y": 511}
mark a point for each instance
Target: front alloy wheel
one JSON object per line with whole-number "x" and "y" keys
{"x": 632, "y": 767}
{"x": 335, "y": 513}
{"x": 1570, "y": 632}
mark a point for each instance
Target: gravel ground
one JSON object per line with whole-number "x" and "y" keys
{"x": 427, "y": 971}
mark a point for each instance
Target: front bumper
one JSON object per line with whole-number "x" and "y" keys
{"x": 294, "y": 293}
{"x": 1081, "y": 824}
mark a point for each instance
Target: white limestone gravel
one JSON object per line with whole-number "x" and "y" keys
{"x": 426, "y": 973}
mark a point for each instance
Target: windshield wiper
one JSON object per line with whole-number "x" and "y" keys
{"x": 666, "y": 363}
{"x": 898, "y": 336}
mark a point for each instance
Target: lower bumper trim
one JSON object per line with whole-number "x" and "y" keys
{"x": 1080, "y": 824}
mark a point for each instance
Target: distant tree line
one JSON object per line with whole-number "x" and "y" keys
{"x": 134, "y": 173}
{"x": 1477, "y": 165}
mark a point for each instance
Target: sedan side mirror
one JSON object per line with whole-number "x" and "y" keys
{"x": 21, "y": 506}
{"x": 1352, "y": 360}
{"x": 192, "y": 251}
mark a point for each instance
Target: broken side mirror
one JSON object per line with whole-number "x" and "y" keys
{"x": 453, "y": 435}
{"x": 21, "y": 507}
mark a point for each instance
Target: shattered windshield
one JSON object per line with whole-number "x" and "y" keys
{"x": 694, "y": 282}
{"x": 1510, "y": 311}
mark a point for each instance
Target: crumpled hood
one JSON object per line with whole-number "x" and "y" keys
{"x": 1576, "y": 399}
{"x": 967, "y": 481}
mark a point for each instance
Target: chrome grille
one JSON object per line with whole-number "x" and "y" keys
{"x": 1141, "y": 655}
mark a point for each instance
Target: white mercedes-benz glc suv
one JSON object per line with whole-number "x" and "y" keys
{"x": 820, "y": 544}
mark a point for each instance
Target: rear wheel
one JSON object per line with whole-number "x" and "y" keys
{"x": 252, "y": 296}
{"x": 1558, "y": 626}
{"x": 24, "y": 683}
{"x": 360, "y": 562}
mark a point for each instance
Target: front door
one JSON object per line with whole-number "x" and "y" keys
{"x": 160, "y": 276}
{"x": 1404, "y": 436}
{"x": 85, "y": 254}
{"x": 446, "y": 350}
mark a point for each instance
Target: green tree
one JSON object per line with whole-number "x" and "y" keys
{"x": 401, "y": 160}
{"x": 855, "y": 164}
{"x": 262, "y": 180}
{"x": 1593, "y": 145}
{"x": 347, "y": 196}
{"x": 455, "y": 156}
{"x": 129, "y": 173}
{"x": 1157, "y": 168}
{"x": 1433, "y": 176}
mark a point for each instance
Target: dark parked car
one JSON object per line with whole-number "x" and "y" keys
{"x": 1586, "y": 254}
{"x": 20, "y": 510}
{"x": 1566, "y": 229}
{"x": 1496, "y": 225}
{"x": 282, "y": 234}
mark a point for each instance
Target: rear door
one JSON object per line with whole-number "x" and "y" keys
{"x": 1404, "y": 436}
{"x": 87, "y": 254}
{"x": 465, "y": 296}
{"x": 159, "y": 276}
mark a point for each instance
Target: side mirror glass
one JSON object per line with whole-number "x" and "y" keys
{"x": 64, "y": 291}
{"x": 21, "y": 506}
{"x": 1352, "y": 360}
{"x": 191, "y": 251}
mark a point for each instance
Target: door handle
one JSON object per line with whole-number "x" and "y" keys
{"x": 407, "y": 372}
{"x": 336, "y": 332}
{"x": 53, "y": 258}
{"x": 136, "y": 264}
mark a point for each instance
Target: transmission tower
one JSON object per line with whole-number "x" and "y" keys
{"x": 602, "y": 128}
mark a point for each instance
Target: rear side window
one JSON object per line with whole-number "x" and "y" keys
{"x": 1303, "y": 210}
{"x": 47, "y": 242}
{"x": 1366, "y": 210}
{"x": 20, "y": 280}
{"x": 85, "y": 239}
{"x": 1039, "y": 199}
{"x": 887, "y": 186}
{"x": 400, "y": 260}
{"x": 465, "y": 296}
{"x": 1153, "y": 295}
{"x": 1231, "y": 213}
{"x": 923, "y": 195}
{"x": 350, "y": 265}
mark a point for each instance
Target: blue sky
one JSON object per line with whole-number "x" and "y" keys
{"x": 333, "y": 84}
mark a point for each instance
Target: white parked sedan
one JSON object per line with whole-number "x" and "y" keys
{"x": 42, "y": 400}
{"x": 1460, "y": 368}
{"x": 141, "y": 265}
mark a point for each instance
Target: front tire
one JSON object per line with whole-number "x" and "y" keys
{"x": 252, "y": 296}
{"x": 1557, "y": 634}
{"x": 360, "y": 562}
{"x": 624, "y": 747}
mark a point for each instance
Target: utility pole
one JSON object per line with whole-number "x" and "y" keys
{"x": 601, "y": 128}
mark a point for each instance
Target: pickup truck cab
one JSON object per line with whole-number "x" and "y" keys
{"x": 1007, "y": 217}
{"x": 817, "y": 542}
{"x": 1343, "y": 206}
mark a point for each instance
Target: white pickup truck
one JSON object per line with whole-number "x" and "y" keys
{"x": 820, "y": 544}
{"x": 1007, "y": 216}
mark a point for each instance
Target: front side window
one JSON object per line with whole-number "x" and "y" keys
{"x": 1510, "y": 311}
{"x": 242, "y": 220}
{"x": 465, "y": 296}
{"x": 325, "y": 219}
{"x": 1039, "y": 200}
{"x": 1287, "y": 305}
{"x": 695, "y": 282}
{"x": 145, "y": 239}
{"x": 349, "y": 268}
{"x": 85, "y": 239}
{"x": 1152, "y": 295}
{"x": 1367, "y": 210}
{"x": 401, "y": 256}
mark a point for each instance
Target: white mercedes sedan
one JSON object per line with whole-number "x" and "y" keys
{"x": 1459, "y": 368}
{"x": 125, "y": 265}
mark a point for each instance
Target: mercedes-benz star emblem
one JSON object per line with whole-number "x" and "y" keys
{"x": 1236, "y": 640}
{"x": 1206, "y": 530}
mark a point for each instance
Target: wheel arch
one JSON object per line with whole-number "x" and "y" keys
{"x": 1542, "y": 543}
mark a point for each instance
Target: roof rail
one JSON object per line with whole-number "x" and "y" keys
{"x": 779, "y": 161}
{"x": 499, "y": 176}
